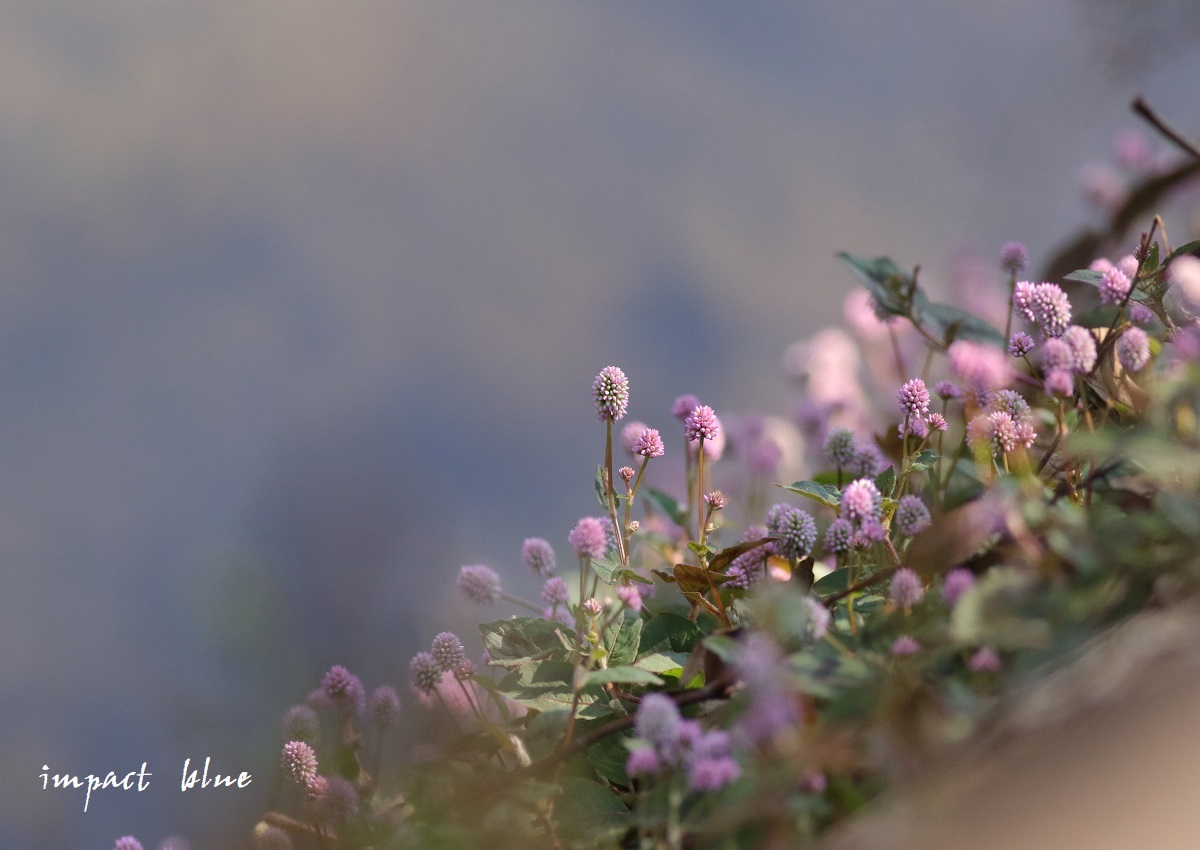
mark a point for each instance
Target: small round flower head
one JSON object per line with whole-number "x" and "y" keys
{"x": 837, "y": 536}
{"x": 861, "y": 500}
{"x": 649, "y": 443}
{"x": 588, "y": 538}
{"x": 1014, "y": 257}
{"x": 1057, "y": 354}
{"x": 947, "y": 390}
{"x": 592, "y": 607}
{"x": 301, "y": 723}
{"x": 1083, "y": 348}
{"x": 555, "y": 591}
{"x": 918, "y": 428}
{"x": 343, "y": 688}
{"x": 871, "y": 531}
{"x": 339, "y": 802}
{"x": 424, "y": 672}
{"x": 764, "y": 456}
{"x": 868, "y": 462}
{"x": 448, "y": 651}
{"x": 630, "y": 434}
{"x": 538, "y": 555}
{"x": 905, "y": 589}
{"x": 642, "y": 762}
{"x": 715, "y": 500}
{"x": 128, "y": 843}
{"x": 1059, "y": 382}
{"x": 1183, "y": 275}
{"x": 1114, "y": 286}
{"x": 610, "y": 534}
{"x": 1008, "y": 433}
{"x": 464, "y": 670}
{"x": 819, "y": 618}
{"x": 701, "y": 424}
{"x": 1020, "y": 344}
{"x": 936, "y": 422}
{"x": 385, "y": 705}
{"x": 1045, "y": 305}
{"x": 914, "y": 399}
{"x": 479, "y": 583}
{"x": 267, "y": 837}
{"x": 626, "y": 473}
{"x": 983, "y": 368}
{"x": 610, "y": 391}
{"x": 841, "y": 447}
{"x": 905, "y": 645}
{"x": 299, "y": 762}
{"x": 984, "y": 660}
{"x": 657, "y": 719}
{"x": 684, "y": 405}
{"x": 1139, "y": 313}
{"x": 1012, "y": 403}
{"x": 1133, "y": 349}
{"x": 559, "y": 614}
{"x": 796, "y": 529}
{"x": 315, "y": 789}
{"x": 911, "y": 517}
{"x": 957, "y": 582}
{"x": 631, "y": 597}
{"x": 814, "y": 782}
{"x": 712, "y": 774}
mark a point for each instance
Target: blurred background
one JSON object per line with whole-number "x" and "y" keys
{"x": 300, "y": 305}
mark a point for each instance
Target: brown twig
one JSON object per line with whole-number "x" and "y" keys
{"x": 1143, "y": 110}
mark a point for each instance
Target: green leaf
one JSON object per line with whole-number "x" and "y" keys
{"x": 924, "y": 459}
{"x": 606, "y": 568}
{"x": 887, "y": 282}
{"x": 623, "y": 638}
{"x": 669, "y": 632}
{"x": 951, "y": 323}
{"x": 722, "y": 646}
{"x": 667, "y": 504}
{"x": 623, "y": 674}
{"x": 608, "y": 756}
{"x": 663, "y": 662}
{"x": 601, "y": 490}
{"x": 822, "y": 671}
{"x": 823, "y": 493}
{"x": 836, "y": 582}
{"x": 1189, "y": 248}
{"x": 886, "y": 481}
{"x": 522, "y": 639}
{"x": 1085, "y": 276}
{"x": 701, "y": 549}
{"x": 588, "y": 810}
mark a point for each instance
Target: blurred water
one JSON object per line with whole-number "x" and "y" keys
{"x": 301, "y": 305}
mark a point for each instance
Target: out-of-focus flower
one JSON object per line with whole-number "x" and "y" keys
{"x": 1133, "y": 349}
{"x": 538, "y": 555}
{"x": 957, "y": 582}
{"x": 424, "y": 672}
{"x": 1014, "y": 257}
{"x": 905, "y": 645}
{"x": 1114, "y": 286}
{"x": 630, "y": 434}
{"x": 588, "y": 538}
{"x": 343, "y": 688}
{"x": 385, "y": 705}
{"x": 1083, "y": 348}
{"x": 479, "y": 584}
{"x": 984, "y": 660}
{"x": 861, "y": 500}
{"x": 912, "y": 516}
{"x": 905, "y": 589}
{"x": 301, "y": 723}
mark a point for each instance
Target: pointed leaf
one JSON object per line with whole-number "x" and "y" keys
{"x": 669, "y": 632}
{"x": 725, "y": 557}
{"x": 823, "y": 493}
{"x": 622, "y": 638}
{"x": 521, "y": 639}
{"x": 623, "y": 674}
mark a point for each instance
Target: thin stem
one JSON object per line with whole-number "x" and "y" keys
{"x": 1143, "y": 109}
{"x": 524, "y": 603}
{"x": 700, "y": 490}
